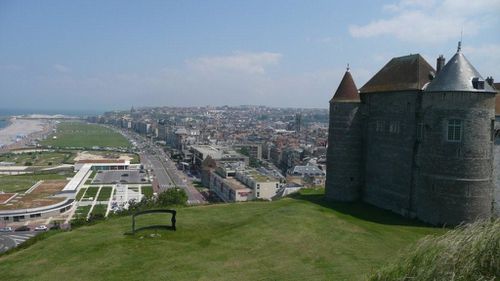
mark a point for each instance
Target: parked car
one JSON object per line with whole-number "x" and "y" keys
{"x": 41, "y": 228}
{"x": 6, "y": 229}
{"x": 23, "y": 228}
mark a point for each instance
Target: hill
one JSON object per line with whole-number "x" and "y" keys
{"x": 299, "y": 238}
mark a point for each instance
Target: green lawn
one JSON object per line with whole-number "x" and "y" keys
{"x": 91, "y": 193}
{"x": 44, "y": 158}
{"x": 105, "y": 193}
{"x": 80, "y": 194}
{"x": 100, "y": 209}
{"x": 21, "y": 183}
{"x": 82, "y": 211}
{"x": 76, "y": 134}
{"x": 300, "y": 238}
{"x": 147, "y": 190}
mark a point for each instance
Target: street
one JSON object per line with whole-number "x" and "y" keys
{"x": 164, "y": 169}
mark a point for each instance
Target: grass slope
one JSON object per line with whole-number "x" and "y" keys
{"x": 301, "y": 238}
{"x": 75, "y": 134}
{"x": 470, "y": 252}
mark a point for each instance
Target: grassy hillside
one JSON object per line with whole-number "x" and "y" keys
{"x": 301, "y": 238}
{"x": 76, "y": 134}
{"x": 468, "y": 253}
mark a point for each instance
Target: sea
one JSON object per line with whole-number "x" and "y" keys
{"x": 6, "y": 113}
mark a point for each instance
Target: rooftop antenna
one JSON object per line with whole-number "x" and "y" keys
{"x": 460, "y": 42}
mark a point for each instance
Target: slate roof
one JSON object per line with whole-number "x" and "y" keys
{"x": 347, "y": 90}
{"x": 456, "y": 76}
{"x": 410, "y": 72}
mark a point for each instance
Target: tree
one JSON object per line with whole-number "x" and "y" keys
{"x": 172, "y": 196}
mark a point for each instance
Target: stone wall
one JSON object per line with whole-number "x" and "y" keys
{"x": 344, "y": 154}
{"x": 455, "y": 182}
{"x": 389, "y": 149}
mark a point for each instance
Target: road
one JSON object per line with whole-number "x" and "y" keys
{"x": 154, "y": 158}
{"x": 9, "y": 240}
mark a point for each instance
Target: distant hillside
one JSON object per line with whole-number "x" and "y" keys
{"x": 469, "y": 252}
{"x": 299, "y": 238}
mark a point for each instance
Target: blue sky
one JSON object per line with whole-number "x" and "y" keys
{"x": 115, "y": 54}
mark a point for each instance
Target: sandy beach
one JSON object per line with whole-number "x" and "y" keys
{"x": 20, "y": 130}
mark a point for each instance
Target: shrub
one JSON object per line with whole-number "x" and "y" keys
{"x": 172, "y": 196}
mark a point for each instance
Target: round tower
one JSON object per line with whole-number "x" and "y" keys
{"x": 344, "y": 176}
{"x": 455, "y": 160}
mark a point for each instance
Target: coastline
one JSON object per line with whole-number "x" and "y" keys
{"x": 21, "y": 132}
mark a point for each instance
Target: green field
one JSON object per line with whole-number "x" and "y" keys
{"x": 100, "y": 209}
{"x": 300, "y": 238}
{"x": 105, "y": 193}
{"x": 21, "y": 183}
{"x": 147, "y": 190}
{"x": 82, "y": 211}
{"x": 80, "y": 193}
{"x": 75, "y": 134}
{"x": 42, "y": 158}
{"x": 91, "y": 193}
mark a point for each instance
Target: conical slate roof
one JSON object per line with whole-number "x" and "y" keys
{"x": 347, "y": 90}
{"x": 410, "y": 72}
{"x": 456, "y": 76}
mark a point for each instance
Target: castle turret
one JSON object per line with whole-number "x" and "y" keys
{"x": 455, "y": 161}
{"x": 344, "y": 176}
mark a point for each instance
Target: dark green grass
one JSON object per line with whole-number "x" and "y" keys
{"x": 82, "y": 211}
{"x": 42, "y": 158}
{"x": 147, "y": 190}
{"x": 300, "y": 238}
{"x": 91, "y": 192}
{"x": 80, "y": 194}
{"x": 76, "y": 134}
{"x": 99, "y": 209}
{"x": 105, "y": 193}
{"x": 21, "y": 183}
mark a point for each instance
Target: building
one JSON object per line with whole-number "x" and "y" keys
{"x": 415, "y": 140}
{"x": 233, "y": 182}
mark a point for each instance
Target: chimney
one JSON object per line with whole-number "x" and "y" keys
{"x": 490, "y": 81}
{"x": 440, "y": 63}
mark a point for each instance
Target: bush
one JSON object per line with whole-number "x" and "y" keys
{"x": 172, "y": 196}
{"x": 470, "y": 252}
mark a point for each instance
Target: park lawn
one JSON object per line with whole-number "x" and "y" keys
{"x": 21, "y": 183}
{"x": 42, "y": 158}
{"x": 147, "y": 190}
{"x": 99, "y": 209}
{"x": 105, "y": 193}
{"x": 91, "y": 193}
{"x": 77, "y": 134}
{"x": 82, "y": 211}
{"x": 299, "y": 238}
{"x": 80, "y": 194}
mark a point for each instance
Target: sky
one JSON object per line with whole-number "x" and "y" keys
{"x": 105, "y": 55}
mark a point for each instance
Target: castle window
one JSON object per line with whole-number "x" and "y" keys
{"x": 380, "y": 126}
{"x": 394, "y": 127}
{"x": 454, "y": 130}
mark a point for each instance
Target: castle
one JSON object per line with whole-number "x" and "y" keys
{"x": 415, "y": 140}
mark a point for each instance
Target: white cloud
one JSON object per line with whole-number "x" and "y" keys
{"x": 250, "y": 63}
{"x": 61, "y": 68}
{"x": 431, "y": 22}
